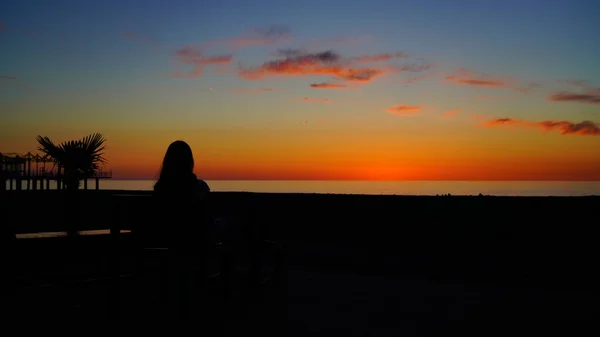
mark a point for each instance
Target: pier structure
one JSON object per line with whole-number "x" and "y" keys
{"x": 37, "y": 171}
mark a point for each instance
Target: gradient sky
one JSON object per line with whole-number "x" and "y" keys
{"x": 394, "y": 90}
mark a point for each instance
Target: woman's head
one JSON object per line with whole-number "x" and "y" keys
{"x": 178, "y": 161}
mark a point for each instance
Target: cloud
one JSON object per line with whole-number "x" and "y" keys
{"x": 585, "y": 128}
{"x": 193, "y": 55}
{"x": 316, "y": 100}
{"x": 465, "y": 76}
{"x": 468, "y": 77}
{"x": 327, "y": 85}
{"x": 404, "y": 110}
{"x": 380, "y": 57}
{"x": 578, "y": 83}
{"x": 301, "y": 63}
{"x": 252, "y": 91}
{"x": 415, "y": 67}
{"x": 452, "y": 113}
{"x": 591, "y": 96}
{"x": 260, "y": 36}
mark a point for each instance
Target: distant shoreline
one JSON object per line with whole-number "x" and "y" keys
{"x": 398, "y": 188}
{"x": 148, "y": 192}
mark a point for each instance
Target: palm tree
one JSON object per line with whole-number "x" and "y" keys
{"x": 80, "y": 159}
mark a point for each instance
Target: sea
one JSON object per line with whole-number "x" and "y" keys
{"x": 495, "y": 188}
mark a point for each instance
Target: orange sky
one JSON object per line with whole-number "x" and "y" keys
{"x": 388, "y": 99}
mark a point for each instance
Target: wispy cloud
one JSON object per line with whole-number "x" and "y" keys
{"x": 468, "y": 77}
{"x": 252, "y": 91}
{"x": 589, "y": 95}
{"x": 192, "y": 55}
{"x": 588, "y": 98}
{"x": 404, "y": 110}
{"x": 261, "y": 36}
{"x": 327, "y": 85}
{"x": 316, "y": 100}
{"x": 585, "y": 128}
{"x": 381, "y": 57}
{"x": 452, "y": 113}
{"x": 578, "y": 83}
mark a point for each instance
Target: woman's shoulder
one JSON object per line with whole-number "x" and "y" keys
{"x": 202, "y": 187}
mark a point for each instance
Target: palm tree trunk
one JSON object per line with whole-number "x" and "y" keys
{"x": 71, "y": 181}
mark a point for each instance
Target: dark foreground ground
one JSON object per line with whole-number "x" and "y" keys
{"x": 362, "y": 265}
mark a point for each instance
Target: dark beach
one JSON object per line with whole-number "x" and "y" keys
{"x": 364, "y": 264}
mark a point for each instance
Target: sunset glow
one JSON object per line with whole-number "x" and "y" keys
{"x": 378, "y": 90}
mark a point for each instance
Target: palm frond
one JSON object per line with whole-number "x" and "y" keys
{"x": 46, "y": 146}
{"x": 82, "y": 156}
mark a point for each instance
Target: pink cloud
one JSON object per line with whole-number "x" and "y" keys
{"x": 300, "y": 63}
{"x": 585, "y": 128}
{"x": 452, "y": 113}
{"x": 404, "y": 110}
{"x": 468, "y": 77}
{"x": 192, "y": 55}
{"x": 316, "y": 100}
{"x": 465, "y": 76}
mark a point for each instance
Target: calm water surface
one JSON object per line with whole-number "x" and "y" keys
{"x": 499, "y": 188}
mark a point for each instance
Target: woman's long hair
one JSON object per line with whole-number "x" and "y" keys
{"x": 177, "y": 171}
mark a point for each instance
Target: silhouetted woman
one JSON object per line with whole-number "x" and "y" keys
{"x": 180, "y": 199}
{"x": 181, "y": 221}
{"x": 177, "y": 178}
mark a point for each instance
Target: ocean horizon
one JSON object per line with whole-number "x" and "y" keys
{"x": 421, "y": 188}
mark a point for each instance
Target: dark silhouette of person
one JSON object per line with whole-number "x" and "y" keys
{"x": 180, "y": 224}
{"x": 177, "y": 178}
{"x": 180, "y": 197}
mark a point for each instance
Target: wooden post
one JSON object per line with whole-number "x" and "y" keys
{"x": 19, "y": 183}
{"x": 85, "y": 182}
{"x": 28, "y": 171}
{"x": 34, "y": 181}
{"x": 97, "y": 183}
{"x": 58, "y": 179}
